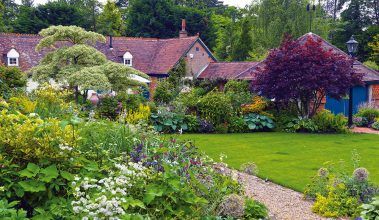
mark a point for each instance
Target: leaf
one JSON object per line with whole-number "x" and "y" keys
{"x": 184, "y": 126}
{"x": 66, "y": 175}
{"x": 31, "y": 171}
{"x": 33, "y": 186}
{"x": 252, "y": 126}
{"x": 152, "y": 191}
{"x": 50, "y": 173}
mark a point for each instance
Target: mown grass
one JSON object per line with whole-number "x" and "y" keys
{"x": 291, "y": 159}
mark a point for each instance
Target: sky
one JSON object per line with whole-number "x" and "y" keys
{"x": 238, "y": 3}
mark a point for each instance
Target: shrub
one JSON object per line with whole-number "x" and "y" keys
{"x": 327, "y": 122}
{"x": 337, "y": 203}
{"x": 142, "y": 114}
{"x": 29, "y": 138}
{"x": 222, "y": 128}
{"x": 257, "y": 122}
{"x": 301, "y": 125}
{"x": 255, "y": 210}
{"x": 22, "y": 104}
{"x": 369, "y": 113}
{"x": 165, "y": 92}
{"x": 215, "y": 107}
{"x": 51, "y": 102}
{"x": 258, "y": 105}
{"x": 192, "y": 122}
{"x": 370, "y": 210}
{"x": 375, "y": 125}
{"x": 238, "y": 91}
{"x": 237, "y": 124}
{"x": 109, "y": 107}
{"x": 360, "y": 121}
{"x": 130, "y": 101}
{"x": 205, "y": 126}
{"x": 11, "y": 78}
{"x": 168, "y": 122}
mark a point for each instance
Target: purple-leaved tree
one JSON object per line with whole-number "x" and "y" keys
{"x": 303, "y": 73}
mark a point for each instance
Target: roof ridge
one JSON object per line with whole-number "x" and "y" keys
{"x": 20, "y": 34}
{"x": 248, "y": 69}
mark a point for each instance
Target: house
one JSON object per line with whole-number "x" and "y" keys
{"x": 153, "y": 56}
{"x": 367, "y": 93}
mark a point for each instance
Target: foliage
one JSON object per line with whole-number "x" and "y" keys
{"x": 109, "y": 107}
{"x": 80, "y": 64}
{"x": 167, "y": 122}
{"x": 221, "y": 128}
{"x": 255, "y": 210}
{"x": 164, "y": 93}
{"x": 193, "y": 123}
{"x": 339, "y": 194}
{"x": 29, "y": 138}
{"x": 130, "y": 101}
{"x": 51, "y": 101}
{"x": 239, "y": 92}
{"x": 360, "y": 121}
{"x": 301, "y": 125}
{"x": 327, "y": 122}
{"x": 110, "y": 20}
{"x": 336, "y": 204}
{"x": 375, "y": 125}
{"x": 215, "y": 107}
{"x": 206, "y": 126}
{"x": 371, "y": 210}
{"x": 375, "y": 48}
{"x": 368, "y": 113}
{"x": 22, "y": 104}
{"x": 9, "y": 212}
{"x": 257, "y": 122}
{"x": 301, "y": 69}
{"x": 258, "y": 105}
{"x": 141, "y": 115}
{"x": 237, "y": 124}
{"x": 11, "y": 78}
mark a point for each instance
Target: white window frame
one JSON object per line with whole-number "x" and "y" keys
{"x": 13, "y": 54}
{"x": 128, "y": 59}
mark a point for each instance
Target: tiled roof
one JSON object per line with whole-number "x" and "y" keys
{"x": 150, "y": 55}
{"x": 226, "y": 70}
{"x": 368, "y": 73}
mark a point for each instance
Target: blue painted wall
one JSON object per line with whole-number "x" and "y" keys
{"x": 360, "y": 95}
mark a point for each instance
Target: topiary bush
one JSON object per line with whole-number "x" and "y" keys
{"x": 215, "y": 107}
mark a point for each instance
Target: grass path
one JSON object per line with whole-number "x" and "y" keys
{"x": 290, "y": 159}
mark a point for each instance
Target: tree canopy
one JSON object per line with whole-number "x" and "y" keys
{"x": 303, "y": 73}
{"x": 75, "y": 62}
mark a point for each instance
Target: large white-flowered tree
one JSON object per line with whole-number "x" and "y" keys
{"x": 74, "y": 61}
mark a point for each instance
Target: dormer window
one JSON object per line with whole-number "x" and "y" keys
{"x": 128, "y": 59}
{"x": 12, "y": 57}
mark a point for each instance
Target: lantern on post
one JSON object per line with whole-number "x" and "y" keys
{"x": 352, "y": 48}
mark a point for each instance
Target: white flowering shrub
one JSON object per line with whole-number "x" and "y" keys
{"x": 110, "y": 197}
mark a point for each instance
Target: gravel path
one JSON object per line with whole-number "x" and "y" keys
{"x": 283, "y": 203}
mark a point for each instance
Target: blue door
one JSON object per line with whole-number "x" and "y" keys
{"x": 360, "y": 95}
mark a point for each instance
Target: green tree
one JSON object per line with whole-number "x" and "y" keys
{"x": 110, "y": 20}
{"x": 78, "y": 64}
{"x": 244, "y": 43}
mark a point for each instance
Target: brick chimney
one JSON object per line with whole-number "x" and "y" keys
{"x": 183, "y": 32}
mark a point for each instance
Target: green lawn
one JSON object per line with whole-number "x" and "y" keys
{"x": 290, "y": 159}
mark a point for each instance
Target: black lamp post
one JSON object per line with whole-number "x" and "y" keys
{"x": 352, "y": 47}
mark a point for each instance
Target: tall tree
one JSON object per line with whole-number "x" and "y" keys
{"x": 244, "y": 43}
{"x": 78, "y": 63}
{"x": 304, "y": 73}
{"x": 110, "y": 21}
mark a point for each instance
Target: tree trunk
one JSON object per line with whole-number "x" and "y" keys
{"x": 76, "y": 94}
